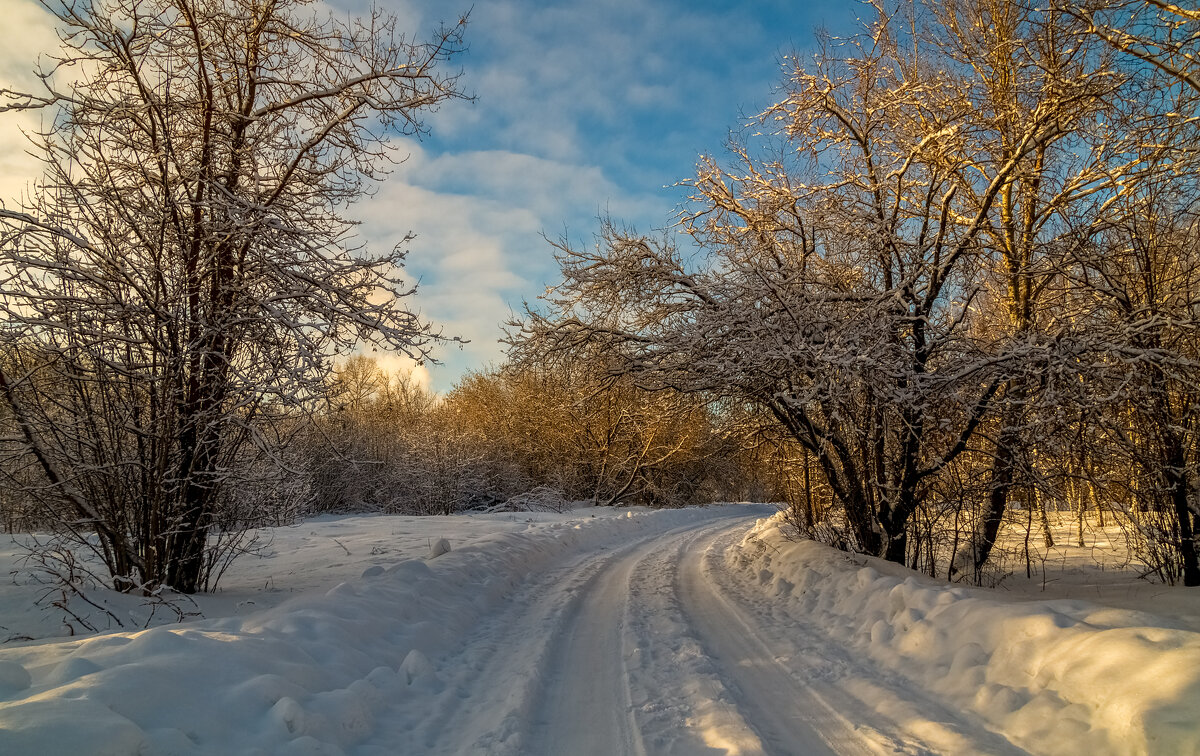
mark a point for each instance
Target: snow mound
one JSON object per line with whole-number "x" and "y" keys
{"x": 1056, "y": 677}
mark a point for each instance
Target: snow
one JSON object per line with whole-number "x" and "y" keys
{"x": 312, "y": 556}
{"x": 1055, "y": 676}
{"x": 1096, "y": 567}
{"x": 312, "y": 671}
{"x": 607, "y": 631}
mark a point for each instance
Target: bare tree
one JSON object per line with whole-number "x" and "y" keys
{"x": 180, "y": 276}
{"x": 1162, "y": 34}
{"x": 1043, "y": 112}
{"x": 1141, "y": 269}
{"x": 1138, "y": 260}
{"x": 839, "y": 282}
{"x": 566, "y": 424}
{"x": 870, "y": 276}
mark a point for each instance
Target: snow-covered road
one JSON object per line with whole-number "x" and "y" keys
{"x": 609, "y": 632}
{"x": 654, "y": 648}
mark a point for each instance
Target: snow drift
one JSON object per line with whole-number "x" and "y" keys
{"x": 1055, "y": 677}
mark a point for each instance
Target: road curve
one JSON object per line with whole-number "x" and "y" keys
{"x": 655, "y": 647}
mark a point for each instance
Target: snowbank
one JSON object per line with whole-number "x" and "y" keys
{"x": 308, "y": 676}
{"x": 1055, "y": 677}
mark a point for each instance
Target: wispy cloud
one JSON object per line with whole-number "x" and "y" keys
{"x": 26, "y": 34}
{"x": 582, "y": 109}
{"x": 479, "y": 217}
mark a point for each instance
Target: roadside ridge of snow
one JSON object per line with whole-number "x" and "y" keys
{"x": 306, "y": 677}
{"x": 1056, "y": 677}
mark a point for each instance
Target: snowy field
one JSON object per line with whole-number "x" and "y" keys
{"x": 601, "y": 631}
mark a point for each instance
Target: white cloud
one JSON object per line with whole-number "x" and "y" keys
{"x": 400, "y": 364}
{"x": 26, "y": 33}
{"x": 562, "y": 79}
{"x": 479, "y": 218}
{"x": 553, "y": 140}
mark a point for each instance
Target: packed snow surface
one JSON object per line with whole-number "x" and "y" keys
{"x": 601, "y": 631}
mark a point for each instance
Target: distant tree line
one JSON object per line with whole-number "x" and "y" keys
{"x": 517, "y": 439}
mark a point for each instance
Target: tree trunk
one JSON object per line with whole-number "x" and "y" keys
{"x": 1002, "y": 477}
{"x": 1178, "y": 486}
{"x": 897, "y": 547}
{"x": 997, "y": 503}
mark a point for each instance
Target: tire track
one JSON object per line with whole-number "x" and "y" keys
{"x": 654, "y": 647}
{"x": 544, "y": 673}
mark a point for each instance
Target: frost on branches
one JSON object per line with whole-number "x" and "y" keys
{"x": 175, "y": 284}
{"x": 916, "y": 269}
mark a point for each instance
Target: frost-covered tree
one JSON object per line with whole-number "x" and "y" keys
{"x": 1043, "y": 112}
{"x": 566, "y": 424}
{"x": 1163, "y": 34}
{"x": 869, "y": 272}
{"x": 1137, "y": 262}
{"x": 1143, "y": 267}
{"x": 839, "y": 274}
{"x": 174, "y": 285}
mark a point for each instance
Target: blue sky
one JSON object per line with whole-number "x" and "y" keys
{"x": 581, "y": 108}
